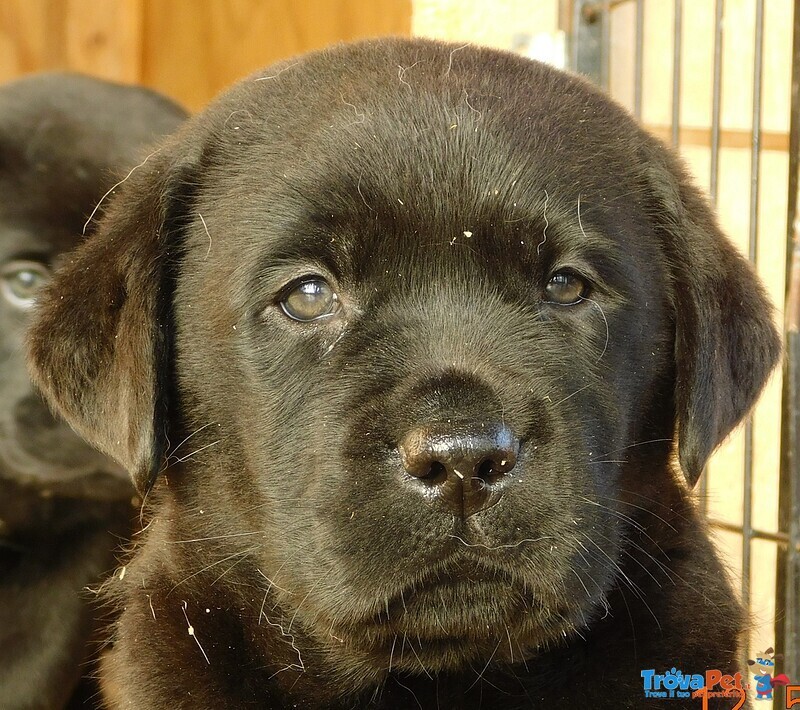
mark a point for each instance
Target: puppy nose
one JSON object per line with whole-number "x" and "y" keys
{"x": 460, "y": 466}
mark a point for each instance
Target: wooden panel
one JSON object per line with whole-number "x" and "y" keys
{"x": 100, "y": 38}
{"x": 31, "y": 37}
{"x": 188, "y": 49}
{"x": 195, "y": 48}
{"x": 104, "y": 38}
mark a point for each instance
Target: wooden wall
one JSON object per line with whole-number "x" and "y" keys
{"x": 188, "y": 49}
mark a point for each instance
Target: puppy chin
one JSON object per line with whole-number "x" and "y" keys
{"x": 453, "y": 624}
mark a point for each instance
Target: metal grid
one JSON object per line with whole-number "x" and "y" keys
{"x": 589, "y": 50}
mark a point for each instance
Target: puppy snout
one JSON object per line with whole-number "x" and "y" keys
{"x": 460, "y": 467}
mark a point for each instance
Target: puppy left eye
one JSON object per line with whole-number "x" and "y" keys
{"x": 565, "y": 288}
{"x": 21, "y": 281}
{"x": 310, "y": 300}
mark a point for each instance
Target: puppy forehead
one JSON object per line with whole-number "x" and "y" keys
{"x": 405, "y": 100}
{"x": 411, "y": 140}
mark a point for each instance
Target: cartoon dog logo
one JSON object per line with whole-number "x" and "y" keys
{"x": 762, "y": 673}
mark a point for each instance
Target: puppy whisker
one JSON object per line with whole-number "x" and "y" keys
{"x": 605, "y": 320}
{"x": 450, "y": 61}
{"x": 577, "y": 391}
{"x": 276, "y": 74}
{"x": 197, "y": 451}
{"x": 196, "y": 431}
{"x": 215, "y": 537}
{"x": 635, "y": 444}
{"x": 238, "y": 553}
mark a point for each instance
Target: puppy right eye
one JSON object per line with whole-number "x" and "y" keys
{"x": 309, "y": 300}
{"x": 21, "y": 281}
{"x": 565, "y": 289}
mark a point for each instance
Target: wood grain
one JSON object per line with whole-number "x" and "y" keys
{"x": 188, "y": 49}
{"x": 195, "y": 48}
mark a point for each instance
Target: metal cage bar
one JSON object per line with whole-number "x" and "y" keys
{"x": 677, "y": 37}
{"x": 713, "y": 178}
{"x": 716, "y": 101}
{"x": 787, "y": 633}
{"x": 593, "y": 18}
{"x": 638, "y": 61}
{"x": 755, "y": 165}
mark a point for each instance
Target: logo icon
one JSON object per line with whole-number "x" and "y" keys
{"x": 763, "y": 666}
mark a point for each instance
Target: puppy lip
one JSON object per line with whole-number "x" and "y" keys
{"x": 450, "y": 610}
{"x": 453, "y": 574}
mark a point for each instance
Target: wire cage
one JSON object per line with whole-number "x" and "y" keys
{"x": 591, "y": 51}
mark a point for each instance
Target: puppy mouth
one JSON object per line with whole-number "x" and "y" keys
{"x": 459, "y": 613}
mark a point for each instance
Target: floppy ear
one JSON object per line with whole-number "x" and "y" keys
{"x": 726, "y": 343}
{"x": 99, "y": 347}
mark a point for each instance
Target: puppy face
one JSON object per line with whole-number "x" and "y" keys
{"x": 429, "y": 333}
{"x": 61, "y": 139}
{"x": 445, "y": 344}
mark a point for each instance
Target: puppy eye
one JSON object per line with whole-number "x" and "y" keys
{"x": 566, "y": 288}
{"x": 21, "y": 281}
{"x": 310, "y": 300}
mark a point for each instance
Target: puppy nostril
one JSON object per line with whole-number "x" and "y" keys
{"x": 435, "y": 475}
{"x": 491, "y": 470}
{"x": 486, "y": 470}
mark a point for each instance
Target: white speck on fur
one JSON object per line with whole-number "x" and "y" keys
{"x": 334, "y": 343}
{"x": 363, "y": 199}
{"x": 450, "y": 62}
{"x": 114, "y": 187}
{"x": 360, "y": 117}
{"x": 275, "y": 76}
{"x": 208, "y": 234}
{"x": 546, "y": 223}
{"x": 190, "y": 629}
{"x": 401, "y": 72}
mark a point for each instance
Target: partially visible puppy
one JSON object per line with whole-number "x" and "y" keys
{"x": 64, "y": 141}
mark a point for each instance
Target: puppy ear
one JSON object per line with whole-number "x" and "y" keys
{"x": 100, "y": 345}
{"x": 726, "y": 343}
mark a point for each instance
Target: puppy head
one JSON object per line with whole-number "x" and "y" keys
{"x": 424, "y": 326}
{"x": 63, "y": 139}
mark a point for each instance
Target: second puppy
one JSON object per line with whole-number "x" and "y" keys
{"x": 63, "y": 141}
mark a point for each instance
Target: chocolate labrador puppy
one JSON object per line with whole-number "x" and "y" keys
{"x": 407, "y": 344}
{"x": 63, "y": 139}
